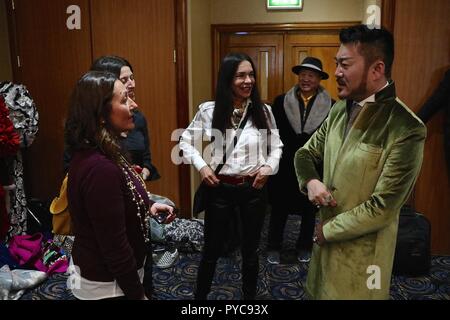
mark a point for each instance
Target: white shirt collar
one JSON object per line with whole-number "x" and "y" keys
{"x": 372, "y": 97}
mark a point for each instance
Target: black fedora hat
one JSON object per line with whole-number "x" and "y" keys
{"x": 311, "y": 63}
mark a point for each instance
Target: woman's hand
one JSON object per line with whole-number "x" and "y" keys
{"x": 209, "y": 177}
{"x": 145, "y": 173}
{"x": 261, "y": 176}
{"x": 158, "y": 207}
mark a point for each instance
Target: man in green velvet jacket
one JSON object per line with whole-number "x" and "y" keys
{"x": 371, "y": 149}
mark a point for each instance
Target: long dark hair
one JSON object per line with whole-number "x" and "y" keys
{"x": 224, "y": 95}
{"x": 87, "y": 125}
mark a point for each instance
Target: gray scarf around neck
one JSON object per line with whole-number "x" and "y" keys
{"x": 318, "y": 113}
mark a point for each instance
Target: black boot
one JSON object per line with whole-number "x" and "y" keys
{"x": 204, "y": 279}
{"x": 249, "y": 280}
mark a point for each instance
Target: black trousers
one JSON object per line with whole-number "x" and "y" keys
{"x": 148, "y": 272}
{"x": 278, "y": 218}
{"x": 222, "y": 204}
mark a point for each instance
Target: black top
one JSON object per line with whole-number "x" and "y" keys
{"x": 283, "y": 187}
{"x": 440, "y": 100}
{"x": 137, "y": 143}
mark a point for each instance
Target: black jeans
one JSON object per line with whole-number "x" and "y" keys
{"x": 222, "y": 203}
{"x": 148, "y": 272}
{"x": 278, "y": 218}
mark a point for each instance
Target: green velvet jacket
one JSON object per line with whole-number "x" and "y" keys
{"x": 371, "y": 175}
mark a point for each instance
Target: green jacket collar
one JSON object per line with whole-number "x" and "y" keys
{"x": 386, "y": 94}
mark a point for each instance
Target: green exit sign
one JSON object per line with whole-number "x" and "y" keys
{"x": 284, "y": 4}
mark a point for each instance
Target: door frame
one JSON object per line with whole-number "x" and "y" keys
{"x": 182, "y": 88}
{"x": 388, "y": 14}
{"x": 218, "y": 29}
{"x": 387, "y": 21}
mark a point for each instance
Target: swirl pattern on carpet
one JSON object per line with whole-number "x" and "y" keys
{"x": 276, "y": 282}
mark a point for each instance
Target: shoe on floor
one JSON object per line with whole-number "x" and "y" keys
{"x": 304, "y": 256}
{"x": 167, "y": 259}
{"x": 273, "y": 257}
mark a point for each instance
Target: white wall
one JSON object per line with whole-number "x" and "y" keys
{"x": 199, "y": 61}
{"x": 254, "y": 11}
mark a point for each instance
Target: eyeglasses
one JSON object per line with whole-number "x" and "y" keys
{"x": 243, "y": 76}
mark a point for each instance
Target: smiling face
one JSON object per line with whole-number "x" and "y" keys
{"x": 351, "y": 73}
{"x": 308, "y": 81}
{"x": 127, "y": 78}
{"x": 243, "y": 82}
{"x": 120, "y": 117}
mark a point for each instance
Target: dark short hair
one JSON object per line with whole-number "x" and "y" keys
{"x": 111, "y": 64}
{"x": 375, "y": 43}
{"x": 223, "y": 108}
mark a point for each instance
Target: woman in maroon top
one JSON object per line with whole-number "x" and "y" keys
{"x": 108, "y": 201}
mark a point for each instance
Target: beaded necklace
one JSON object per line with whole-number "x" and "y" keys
{"x": 142, "y": 209}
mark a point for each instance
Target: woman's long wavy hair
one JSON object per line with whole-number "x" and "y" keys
{"x": 88, "y": 125}
{"x": 224, "y": 95}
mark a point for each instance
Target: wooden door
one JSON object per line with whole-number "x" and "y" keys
{"x": 266, "y": 51}
{"x": 280, "y": 47}
{"x": 52, "y": 58}
{"x": 143, "y": 32}
{"x": 323, "y": 45}
{"x": 422, "y": 54}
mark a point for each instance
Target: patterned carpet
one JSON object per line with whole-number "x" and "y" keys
{"x": 276, "y": 282}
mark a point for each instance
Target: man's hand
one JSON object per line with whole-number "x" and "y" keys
{"x": 209, "y": 177}
{"x": 319, "y": 238}
{"x": 261, "y": 176}
{"x": 319, "y": 194}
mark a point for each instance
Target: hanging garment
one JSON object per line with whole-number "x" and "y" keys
{"x": 23, "y": 111}
{"x": 24, "y": 116}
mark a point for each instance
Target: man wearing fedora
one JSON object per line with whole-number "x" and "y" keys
{"x": 298, "y": 113}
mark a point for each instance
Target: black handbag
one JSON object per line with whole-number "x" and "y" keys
{"x": 201, "y": 194}
{"x": 412, "y": 253}
{"x": 147, "y": 282}
{"x": 200, "y": 199}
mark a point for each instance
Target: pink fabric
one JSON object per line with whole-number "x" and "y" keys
{"x": 59, "y": 266}
{"x": 27, "y": 250}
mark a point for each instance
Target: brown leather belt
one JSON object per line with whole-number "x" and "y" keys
{"x": 235, "y": 180}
